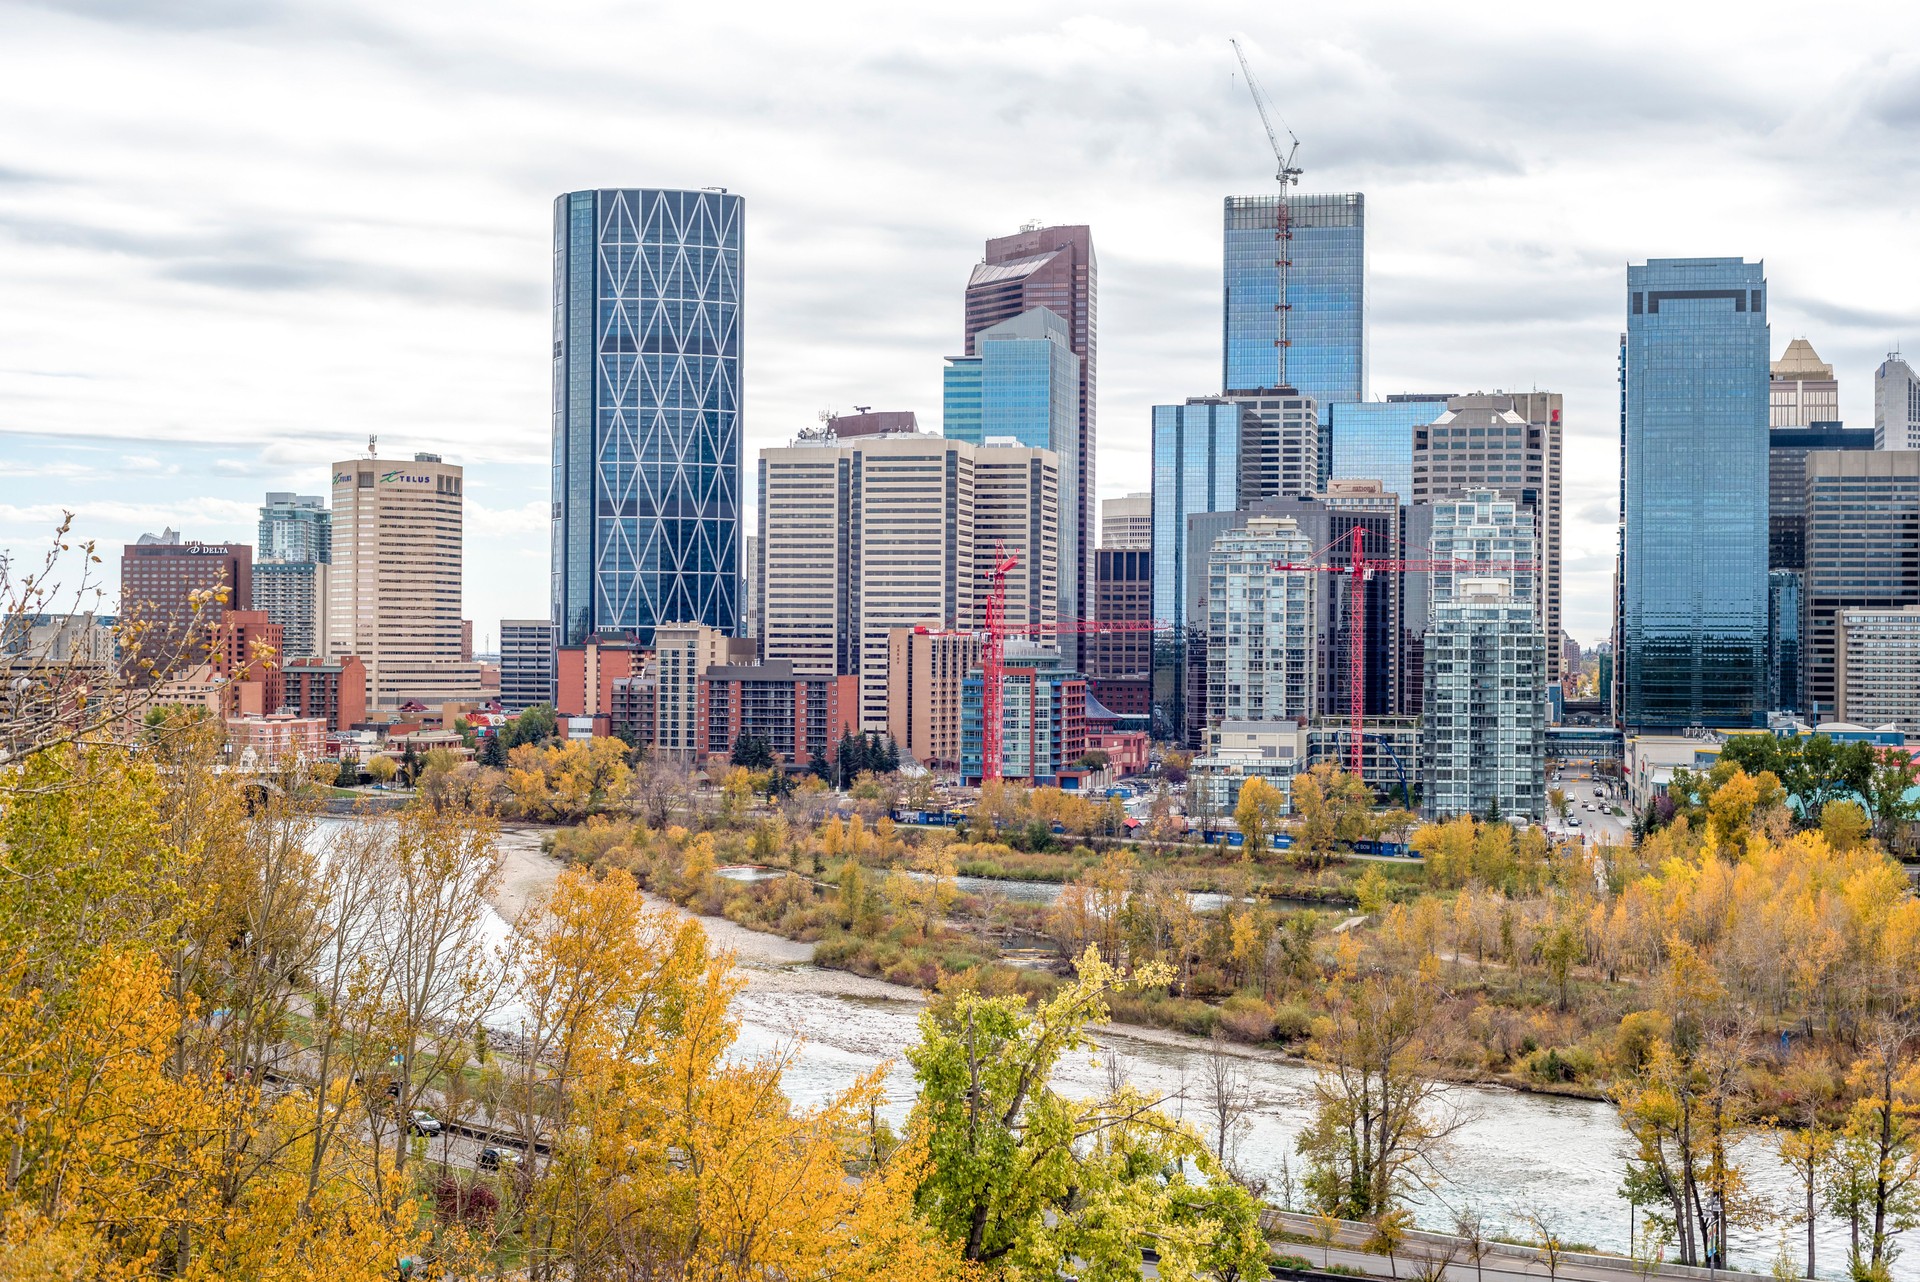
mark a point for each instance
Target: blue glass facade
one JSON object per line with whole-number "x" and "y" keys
{"x": 1318, "y": 342}
{"x": 646, "y": 411}
{"x": 1373, "y": 440}
{"x": 1196, "y": 468}
{"x": 1694, "y": 555}
{"x": 1023, "y": 383}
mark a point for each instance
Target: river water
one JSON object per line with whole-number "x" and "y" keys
{"x": 1518, "y": 1153}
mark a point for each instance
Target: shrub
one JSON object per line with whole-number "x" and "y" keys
{"x": 1292, "y": 1022}
{"x": 1246, "y": 1018}
{"x": 457, "y": 1202}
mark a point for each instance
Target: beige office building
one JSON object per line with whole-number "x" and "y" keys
{"x": 394, "y": 590}
{"x": 860, "y": 537}
{"x": 1877, "y": 667}
{"x": 1127, "y": 522}
{"x": 1801, "y": 388}
{"x": 926, "y": 666}
{"x": 682, "y": 654}
{"x": 1509, "y": 442}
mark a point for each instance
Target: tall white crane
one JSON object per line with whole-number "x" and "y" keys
{"x": 1287, "y": 174}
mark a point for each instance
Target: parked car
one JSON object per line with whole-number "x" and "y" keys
{"x": 421, "y": 1122}
{"x": 495, "y": 1158}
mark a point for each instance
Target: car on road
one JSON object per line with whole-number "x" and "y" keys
{"x": 495, "y": 1158}
{"x": 1573, "y": 821}
{"x": 421, "y": 1122}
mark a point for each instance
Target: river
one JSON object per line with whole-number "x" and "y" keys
{"x": 1518, "y": 1153}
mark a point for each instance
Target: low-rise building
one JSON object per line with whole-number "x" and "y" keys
{"x": 279, "y": 740}
{"x": 1275, "y": 751}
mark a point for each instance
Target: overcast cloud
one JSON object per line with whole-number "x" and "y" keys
{"x": 238, "y": 236}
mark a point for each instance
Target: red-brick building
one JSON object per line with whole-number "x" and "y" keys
{"x": 799, "y": 717}
{"x": 158, "y": 577}
{"x": 246, "y": 650}
{"x": 333, "y": 690}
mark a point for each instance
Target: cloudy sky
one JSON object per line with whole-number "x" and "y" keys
{"x": 239, "y": 236}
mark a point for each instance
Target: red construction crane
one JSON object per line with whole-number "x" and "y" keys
{"x": 992, "y": 662}
{"x": 994, "y": 651}
{"x": 1359, "y": 569}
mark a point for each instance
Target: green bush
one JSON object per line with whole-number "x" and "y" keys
{"x": 1292, "y": 1022}
{"x": 1246, "y": 1018}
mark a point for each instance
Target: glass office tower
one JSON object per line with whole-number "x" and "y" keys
{"x": 1694, "y": 555}
{"x": 1023, "y": 383}
{"x": 1373, "y": 440}
{"x": 646, "y": 411}
{"x": 1196, "y": 468}
{"x": 1325, "y": 332}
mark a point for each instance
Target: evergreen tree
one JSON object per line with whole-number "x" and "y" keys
{"x": 849, "y": 759}
{"x": 494, "y": 752}
{"x": 821, "y": 767}
{"x": 349, "y": 776}
{"x": 753, "y": 752}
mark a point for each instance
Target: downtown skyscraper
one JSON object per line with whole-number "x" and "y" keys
{"x": 646, "y": 411}
{"x": 1054, "y": 268}
{"x": 1314, "y": 338}
{"x": 1693, "y": 589}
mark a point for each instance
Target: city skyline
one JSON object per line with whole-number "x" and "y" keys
{"x": 1513, "y": 285}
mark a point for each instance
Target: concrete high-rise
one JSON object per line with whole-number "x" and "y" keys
{"x": 1693, "y": 590}
{"x": 1315, "y": 338}
{"x": 1863, "y": 552}
{"x": 294, "y": 595}
{"x": 893, "y": 531}
{"x": 1127, "y": 522}
{"x": 1801, "y": 388}
{"x": 646, "y": 411}
{"x": 1279, "y": 444}
{"x": 1260, "y": 624}
{"x": 1119, "y": 664}
{"x": 1196, "y": 469}
{"x": 395, "y": 588}
{"x": 295, "y": 527}
{"x": 1787, "y": 450}
{"x": 1510, "y": 443}
{"x": 1896, "y": 405}
{"x": 290, "y": 569}
{"x": 1054, "y": 268}
{"x": 1021, "y": 385}
{"x": 526, "y": 663}
{"x": 1877, "y": 668}
{"x": 1484, "y": 738}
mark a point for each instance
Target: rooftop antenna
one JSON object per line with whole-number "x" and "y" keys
{"x": 1287, "y": 174}
{"x": 373, "y": 450}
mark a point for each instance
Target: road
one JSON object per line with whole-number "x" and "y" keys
{"x": 1599, "y": 825}
{"x": 1437, "y": 1257}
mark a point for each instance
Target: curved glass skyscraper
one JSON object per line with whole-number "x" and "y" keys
{"x": 646, "y": 411}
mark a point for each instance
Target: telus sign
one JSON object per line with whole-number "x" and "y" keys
{"x": 404, "y": 478}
